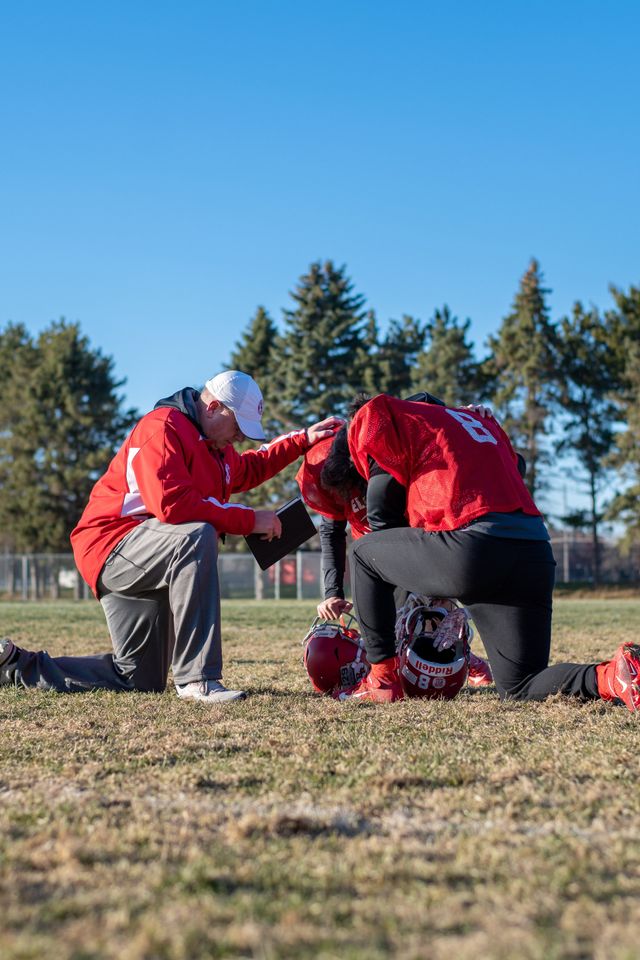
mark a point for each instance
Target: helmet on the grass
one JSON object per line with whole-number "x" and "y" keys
{"x": 433, "y": 648}
{"x": 334, "y": 655}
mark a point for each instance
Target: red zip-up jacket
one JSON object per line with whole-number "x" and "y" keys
{"x": 167, "y": 469}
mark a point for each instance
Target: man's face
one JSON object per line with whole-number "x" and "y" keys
{"x": 219, "y": 425}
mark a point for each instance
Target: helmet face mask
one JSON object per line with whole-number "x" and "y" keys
{"x": 423, "y": 648}
{"x": 433, "y": 649}
{"x": 334, "y": 656}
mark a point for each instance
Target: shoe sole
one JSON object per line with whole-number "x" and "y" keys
{"x": 367, "y": 698}
{"x": 480, "y": 682}
{"x": 7, "y": 653}
{"x": 631, "y": 694}
{"x": 214, "y": 699}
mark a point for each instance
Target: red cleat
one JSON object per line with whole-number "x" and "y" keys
{"x": 479, "y": 672}
{"x": 619, "y": 678}
{"x": 381, "y": 685}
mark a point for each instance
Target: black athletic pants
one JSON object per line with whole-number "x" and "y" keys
{"x": 506, "y": 584}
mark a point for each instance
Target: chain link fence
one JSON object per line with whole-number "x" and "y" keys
{"x": 53, "y": 576}
{"x": 40, "y": 576}
{"x": 574, "y": 555}
{"x": 298, "y": 576}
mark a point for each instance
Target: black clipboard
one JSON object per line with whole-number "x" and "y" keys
{"x": 297, "y": 527}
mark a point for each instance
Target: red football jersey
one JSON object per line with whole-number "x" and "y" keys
{"x": 321, "y": 500}
{"x": 456, "y": 465}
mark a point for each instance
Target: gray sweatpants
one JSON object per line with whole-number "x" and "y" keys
{"x": 159, "y": 592}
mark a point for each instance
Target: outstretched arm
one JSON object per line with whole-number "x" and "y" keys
{"x": 253, "y": 467}
{"x": 333, "y": 540}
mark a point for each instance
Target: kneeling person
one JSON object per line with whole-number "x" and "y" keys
{"x": 147, "y": 543}
{"x": 330, "y": 485}
{"x": 475, "y": 534}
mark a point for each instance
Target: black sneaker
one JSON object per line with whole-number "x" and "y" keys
{"x": 7, "y": 650}
{"x": 8, "y": 655}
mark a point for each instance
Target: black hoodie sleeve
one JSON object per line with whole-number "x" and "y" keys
{"x": 386, "y": 500}
{"x": 333, "y": 541}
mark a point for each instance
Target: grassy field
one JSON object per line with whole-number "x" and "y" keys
{"x": 140, "y": 826}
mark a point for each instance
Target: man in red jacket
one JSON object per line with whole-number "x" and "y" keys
{"x": 475, "y": 534}
{"x": 147, "y": 542}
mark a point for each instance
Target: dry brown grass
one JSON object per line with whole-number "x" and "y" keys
{"x": 139, "y": 826}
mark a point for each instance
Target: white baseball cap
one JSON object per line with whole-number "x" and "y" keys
{"x": 240, "y": 393}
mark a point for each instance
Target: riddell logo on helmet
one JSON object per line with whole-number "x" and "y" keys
{"x": 433, "y": 669}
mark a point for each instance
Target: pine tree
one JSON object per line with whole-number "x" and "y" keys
{"x": 371, "y": 348}
{"x": 587, "y": 413}
{"x": 256, "y": 354}
{"x": 20, "y": 493}
{"x": 317, "y": 364}
{"x": 253, "y": 352}
{"x": 523, "y": 362}
{"x": 447, "y": 367}
{"x": 322, "y": 355}
{"x": 66, "y": 418}
{"x": 395, "y": 360}
{"x": 624, "y": 345}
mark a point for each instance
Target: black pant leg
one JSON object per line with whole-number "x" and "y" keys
{"x": 400, "y": 594}
{"x": 517, "y": 641}
{"x": 420, "y": 562}
{"x": 507, "y": 585}
{"x": 572, "y": 679}
{"x": 516, "y": 628}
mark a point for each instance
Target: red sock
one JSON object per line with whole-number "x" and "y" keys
{"x": 386, "y": 672}
{"x": 605, "y": 672}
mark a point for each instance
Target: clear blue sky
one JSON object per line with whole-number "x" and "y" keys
{"x": 166, "y": 167}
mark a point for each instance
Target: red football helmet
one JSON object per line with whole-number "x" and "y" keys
{"x": 433, "y": 648}
{"x": 334, "y": 655}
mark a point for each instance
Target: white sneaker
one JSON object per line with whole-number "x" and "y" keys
{"x": 210, "y": 691}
